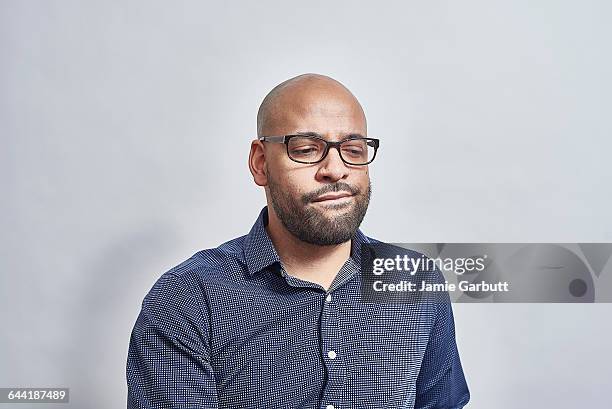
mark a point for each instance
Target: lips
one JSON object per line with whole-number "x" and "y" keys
{"x": 332, "y": 196}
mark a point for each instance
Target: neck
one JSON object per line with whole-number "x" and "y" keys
{"x": 310, "y": 262}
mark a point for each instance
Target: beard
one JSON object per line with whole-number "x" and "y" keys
{"x": 309, "y": 223}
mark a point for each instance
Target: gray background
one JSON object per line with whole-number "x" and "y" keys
{"x": 125, "y": 132}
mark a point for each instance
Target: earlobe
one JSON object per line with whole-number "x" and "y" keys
{"x": 257, "y": 163}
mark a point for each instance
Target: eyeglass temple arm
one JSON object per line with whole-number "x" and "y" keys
{"x": 279, "y": 139}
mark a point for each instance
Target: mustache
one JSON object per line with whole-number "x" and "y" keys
{"x": 336, "y": 187}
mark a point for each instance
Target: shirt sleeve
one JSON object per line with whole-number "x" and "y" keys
{"x": 168, "y": 363}
{"x": 441, "y": 383}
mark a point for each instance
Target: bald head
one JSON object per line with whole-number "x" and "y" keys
{"x": 306, "y": 96}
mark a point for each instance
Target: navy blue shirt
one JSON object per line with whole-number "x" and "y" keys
{"x": 229, "y": 328}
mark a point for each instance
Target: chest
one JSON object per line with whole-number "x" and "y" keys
{"x": 304, "y": 343}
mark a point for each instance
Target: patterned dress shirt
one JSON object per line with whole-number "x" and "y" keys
{"x": 229, "y": 328}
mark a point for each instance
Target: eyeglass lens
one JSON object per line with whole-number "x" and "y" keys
{"x": 308, "y": 149}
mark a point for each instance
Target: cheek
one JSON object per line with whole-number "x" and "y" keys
{"x": 363, "y": 178}
{"x": 300, "y": 180}
{"x": 286, "y": 185}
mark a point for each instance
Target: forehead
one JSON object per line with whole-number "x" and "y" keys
{"x": 329, "y": 111}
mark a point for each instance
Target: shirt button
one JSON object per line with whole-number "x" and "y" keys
{"x": 328, "y": 298}
{"x": 331, "y": 354}
{"x": 329, "y": 407}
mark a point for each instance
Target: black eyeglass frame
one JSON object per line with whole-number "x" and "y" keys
{"x": 373, "y": 142}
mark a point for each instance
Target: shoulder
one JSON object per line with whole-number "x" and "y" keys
{"x": 385, "y": 249}
{"x": 188, "y": 279}
{"x": 384, "y": 262}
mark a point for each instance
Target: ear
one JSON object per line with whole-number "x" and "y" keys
{"x": 257, "y": 163}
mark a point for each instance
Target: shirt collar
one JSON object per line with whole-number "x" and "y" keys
{"x": 259, "y": 251}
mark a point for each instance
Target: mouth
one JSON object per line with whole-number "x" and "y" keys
{"x": 335, "y": 197}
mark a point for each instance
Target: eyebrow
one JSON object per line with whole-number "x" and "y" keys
{"x": 310, "y": 133}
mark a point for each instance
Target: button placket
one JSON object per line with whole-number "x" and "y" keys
{"x": 332, "y": 357}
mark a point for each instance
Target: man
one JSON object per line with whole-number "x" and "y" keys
{"x": 274, "y": 318}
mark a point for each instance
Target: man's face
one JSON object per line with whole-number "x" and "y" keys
{"x": 307, "y": 198}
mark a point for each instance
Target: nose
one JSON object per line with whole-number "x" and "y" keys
{"x": 332, "y": 169}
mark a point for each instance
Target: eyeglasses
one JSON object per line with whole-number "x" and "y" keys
{"x": 313, "y": 149}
